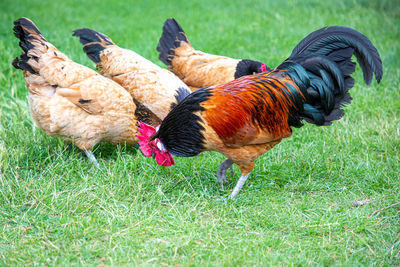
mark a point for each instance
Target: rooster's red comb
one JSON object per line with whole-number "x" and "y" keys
{"x": 150, "y": 148}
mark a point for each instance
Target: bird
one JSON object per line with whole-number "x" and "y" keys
{"x": 72, "y": 101}
{"x": 157, "y": 88}
{"x": 246, "y": 117}
{"x": 198, "y": 69}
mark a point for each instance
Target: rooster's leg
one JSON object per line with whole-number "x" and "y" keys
{"x": 225, "y": 165}
{"x": 91, "y": 158}
{"x": 238, "y": 186}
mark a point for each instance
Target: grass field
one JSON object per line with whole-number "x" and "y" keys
{"x": 296, "y": 207}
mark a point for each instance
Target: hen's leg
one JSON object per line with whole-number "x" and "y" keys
{"x": 225, "y": 165}
{"x": 91, "y": 158}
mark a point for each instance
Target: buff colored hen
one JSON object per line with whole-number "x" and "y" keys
{"x": 196, "y": 68}
{"x": 157, "y": 88}
{"x": 72, "y": 101}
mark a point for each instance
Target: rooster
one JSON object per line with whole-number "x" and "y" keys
{"x": 72, "y": 101}
{"x": 158, "y": 89}
{"x": 198, "y": 69}
{"x": 245, "y": 118}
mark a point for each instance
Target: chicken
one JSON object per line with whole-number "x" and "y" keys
{"x": 198, "y": 69}
{"x": 245, "y": 118}
{"x": 72, "y": 101}
{"x": 158, "y": 89}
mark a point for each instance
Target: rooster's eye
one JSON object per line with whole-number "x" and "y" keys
{"x": 160, "y": 145}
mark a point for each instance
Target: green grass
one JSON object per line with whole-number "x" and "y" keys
{"x": 295, "y": 209}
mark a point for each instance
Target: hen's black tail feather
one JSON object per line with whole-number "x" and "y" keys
{"x": 171, "y": 38}
{"x": 30, "y": 37}
{"x": 93, "y": 42}
{"x": 339, "y": 44}
{"x": 22, "y": 63}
